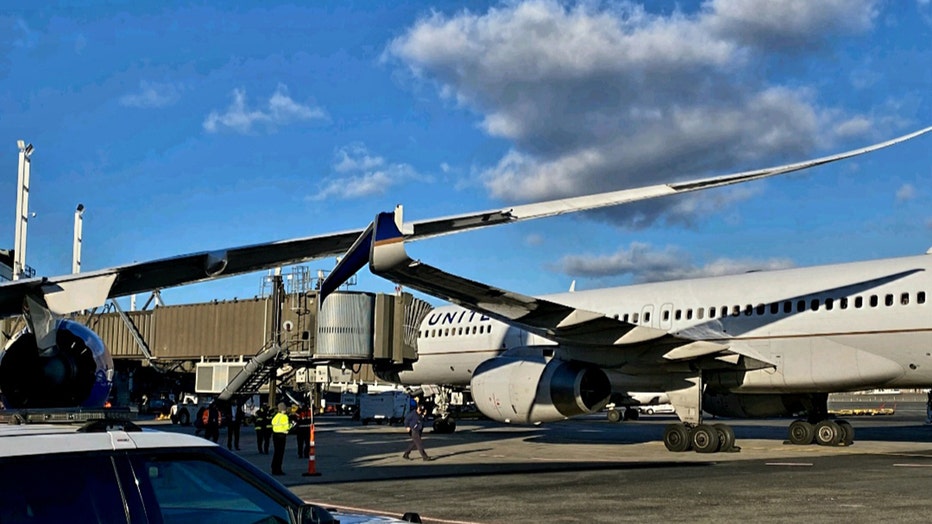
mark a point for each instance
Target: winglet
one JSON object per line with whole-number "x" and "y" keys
{"x": 384, "y": 231}
{"x": 354, "y": 259}
{"x": 388, "y": 247}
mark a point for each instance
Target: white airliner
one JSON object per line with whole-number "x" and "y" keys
{"x": 756, "y": 344}
{"x": 56, "y": 362}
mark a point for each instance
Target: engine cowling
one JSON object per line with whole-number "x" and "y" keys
{"x": 734, "y": 405}
{"x": 76, "y": 372}
{"x": 534, "y": 390}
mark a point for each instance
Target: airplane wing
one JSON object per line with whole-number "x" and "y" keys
{"x": 590, "y": 334}
{"x": 68, "y": 293}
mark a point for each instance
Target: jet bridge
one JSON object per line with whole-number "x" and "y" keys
{"x": 351, "y": 328}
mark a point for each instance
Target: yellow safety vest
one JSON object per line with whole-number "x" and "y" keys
{"x": 281, "y": 423}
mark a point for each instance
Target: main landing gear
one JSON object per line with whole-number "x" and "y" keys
{"x": 824, "y": 433}
{"x": 702, "y": 438}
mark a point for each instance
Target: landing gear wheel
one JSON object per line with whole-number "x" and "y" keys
{"x": 704, "y": 439}
{"x": 676, "y": 438}
{"x": 828, "y": 433}
{"x": 614, "y": 415}
{"x": 801, "y": 433}
{"x": 444, "y": 425}
{"x": 183, "y": 417}
{"x": 726, "y": 437}
{"x": 847, "y": 431}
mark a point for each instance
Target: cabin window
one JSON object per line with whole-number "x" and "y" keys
{"x": 829, "y": 304}
{"x": 774, "y": 308}
{"x": 921, "y": 297}
{"x": 874, "y": 301}
{"x": 814, "y": 304}
{"x": 678, "y": 315}
{"x": 446, "y": 332}
{"x": 647, "y": 317}
{"x": 888, "y": 300}
{"x": 748, "y": 309}
{"x": 615, "y": 316}
{"x": 843, "y": 303}
{"x": 787, "y": 307}
{"x": 735, "y": 311}
{"x": 800, "y": 306}
{"x": 689, "y": 314}
{"x": 666, "y": 316}
{"x": 700, "y": 313}
{"x": 904, "y": 299}
{"x": 624, "y": 318}
{"x": 634, "y": 318}
{"x": 759, "y": 309}
{"x": 474, "y": 330}
{"x": 858, "y": 302}
{"x": 712, "y": 312}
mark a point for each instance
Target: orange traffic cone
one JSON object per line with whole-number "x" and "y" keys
{"x": 311, "y": 458}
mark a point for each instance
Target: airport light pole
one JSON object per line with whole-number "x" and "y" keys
{"x": 22, "y": 209}
{"x": 78, "y": 238}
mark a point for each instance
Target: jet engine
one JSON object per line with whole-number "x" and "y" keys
{"x": 77, "y": 371}
{"x": 534, "y": 390}
{"x": 734, "y": 405}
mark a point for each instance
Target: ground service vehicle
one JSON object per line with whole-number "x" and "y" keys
{"x": 107, "y": 472}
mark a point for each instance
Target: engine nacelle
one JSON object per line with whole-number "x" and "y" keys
{"x": 530, "y": 390}
{"x": 733, "y": 405}
{"x": 76, "y": 372}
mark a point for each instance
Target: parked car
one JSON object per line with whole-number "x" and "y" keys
{"x": 657, "y": 409}
{"x": 106, "y": 471}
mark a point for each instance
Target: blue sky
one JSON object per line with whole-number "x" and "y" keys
{"x": 186, "y": 126}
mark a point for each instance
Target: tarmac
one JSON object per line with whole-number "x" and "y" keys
{"x": 592, "y": 470}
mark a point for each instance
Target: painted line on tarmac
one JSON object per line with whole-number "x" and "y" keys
{"x": 791, "y": 464}
{"x": 912, "y": 465}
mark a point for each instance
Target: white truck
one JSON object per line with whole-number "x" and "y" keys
{"x": 387, "y": 406}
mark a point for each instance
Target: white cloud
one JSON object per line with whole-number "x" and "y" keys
{"x": 363, "y": 174}
{"x": 905, "y": 192}
{"x": 599, "y": 96}
{"x": 152, "y": 95}
{"x": 280, "y": 109}
{"x": 643, "y": 263}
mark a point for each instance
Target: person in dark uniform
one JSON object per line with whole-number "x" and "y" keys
{"x": 212, "y": 419}
{"x": 234, "y": 418}
{"x": 414, "y": 423}
{"x": 303, "y": 431}
{"x": 263, "y": 423}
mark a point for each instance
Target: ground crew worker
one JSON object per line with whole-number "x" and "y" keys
{"x": 281, "y": 424}
{"x": 414, "y": 423}
{"x": 263, "y": 423}
{"x": 303, "y": 431}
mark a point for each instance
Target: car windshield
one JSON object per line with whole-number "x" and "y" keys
{"x": 80, "y": 488}
{"x": 190, "y": 489}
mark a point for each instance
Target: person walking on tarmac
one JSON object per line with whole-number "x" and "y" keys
{"x": 414, "y": 423}
{"x": 281, "y": 424}
{"x": 303, "y": 431}
{"x": 263, "y": 423}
